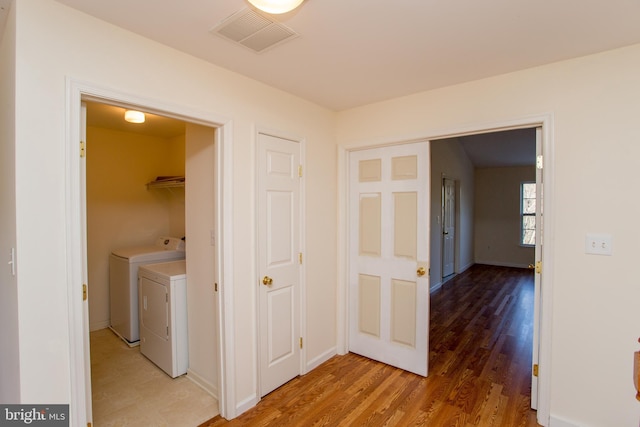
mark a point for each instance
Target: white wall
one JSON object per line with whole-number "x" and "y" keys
{"x": 121, "y": 211}
{"x": 595, "y": 109}
{"x": 449, "y": 159}
{"x": 9, "y": 321}
{"x": 497, "y": 216}
{"x": 55, "y": 43}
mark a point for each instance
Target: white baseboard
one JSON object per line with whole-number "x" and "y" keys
{"x": 435, "y": 287}
{"x": 96, "y": 326}
{"x": 317, "y": 361}
{"x": 201, "y": 382}
{"x": 246, "y": 404}
{"x": 503, "y": 264}
{"x": 466, "y": 267}
{"x": 559, "y": 422}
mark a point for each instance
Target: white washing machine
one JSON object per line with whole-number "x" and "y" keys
{"x": 163, "y": 316}
{"x": 123, "y": 282}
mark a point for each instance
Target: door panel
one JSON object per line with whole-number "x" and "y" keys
{"x": 154, "y": 308}
{"x": 278, "y": 266}
{"x": 388, "y": 219}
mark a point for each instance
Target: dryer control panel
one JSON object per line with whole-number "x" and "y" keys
{"x": 170, "y": 243}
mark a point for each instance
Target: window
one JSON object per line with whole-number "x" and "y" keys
{"x": 528, "y": 214}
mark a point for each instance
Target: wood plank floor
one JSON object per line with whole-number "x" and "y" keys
{"x": 479, "y": 368}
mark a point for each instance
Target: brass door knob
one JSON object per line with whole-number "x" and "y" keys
{"x": 267, "y": 281}
{"x": 421, "y": 271}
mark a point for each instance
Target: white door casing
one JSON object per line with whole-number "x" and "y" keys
{"x": 84, "y": 267}
{"x": 76, "y": 249}
{"x": 388, "y": 244}
{"x": 278, "y": 212}
{"x": 448, "y": 226}
{"x": 538, "y": 272}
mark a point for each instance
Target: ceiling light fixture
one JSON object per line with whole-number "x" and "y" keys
{"x": 134, "y": 116}
{"x": 276, "y": 6}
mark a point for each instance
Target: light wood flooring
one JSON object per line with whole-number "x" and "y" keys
{"x": 129, "y": 390}
{"x": 479, "y": 368}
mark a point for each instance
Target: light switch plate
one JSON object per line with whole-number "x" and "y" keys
{"x": 598, "y": 244}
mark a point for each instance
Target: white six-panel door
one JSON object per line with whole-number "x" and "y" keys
{"x": 388, "y": 255}
{"x": 278, "y": 215}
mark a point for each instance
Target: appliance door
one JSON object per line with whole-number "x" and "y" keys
{"x": 155, "y": 333}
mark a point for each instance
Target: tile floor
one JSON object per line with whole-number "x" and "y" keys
{"x": 129, "y": 390}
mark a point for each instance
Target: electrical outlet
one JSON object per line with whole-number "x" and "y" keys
{"x": 598, "y": 244}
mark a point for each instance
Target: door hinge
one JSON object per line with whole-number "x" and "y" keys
{"x": 88, "y": 424}
{"x": 300, "y": 258}
{"x": 83, "y": 149}
{"x": 300, "y": 342}
{"x": 539, "y": 161}
{"x": 215, "y": 287}
{"x": 535, "y": 370}
{"x": 539, "y": 267}
{"x": 300, "y": 171}
{"x": 84, "y": 292}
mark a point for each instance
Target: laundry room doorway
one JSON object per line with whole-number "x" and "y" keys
{"x": 202, "y": 154}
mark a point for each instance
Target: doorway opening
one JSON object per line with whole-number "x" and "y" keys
{"x": 542, "y": 127}
{"x": 489, "y": 169}
{"x": 218, "y": 237}
{"x": 135, "y": 195}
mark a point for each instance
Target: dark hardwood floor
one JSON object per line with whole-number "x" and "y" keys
{"x": 479, "y": 368}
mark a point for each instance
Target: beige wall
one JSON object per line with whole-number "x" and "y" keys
{"x": 121, "y": 211}
{"x": 55, "y": 43}
{"x": 448, "y": 159}
{"x": 593, "y": 103}
{"x": 497, "y": 216}
{"x": 594, "y": 110}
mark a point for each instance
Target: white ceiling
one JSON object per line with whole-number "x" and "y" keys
{"x": 354, "y": 52}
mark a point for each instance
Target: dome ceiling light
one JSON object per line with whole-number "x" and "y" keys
{"x": 133, "y": 116}
{"x": 276, "y": 7}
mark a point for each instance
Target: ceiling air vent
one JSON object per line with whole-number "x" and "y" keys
{"x": 253, "y": 30}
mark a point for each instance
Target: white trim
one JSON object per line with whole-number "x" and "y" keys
{"x": 559, "y": 422}
{"x": 342, "y": 294}
{"x": 201, "y": 382}
{"x": 78, "y": 320}
{"x": 226, "y": 311}
{"x": 502, "y": 264}
{"x": 246, "y": 404}
{"x": 319, "y": 360}
{"x": 546, "y": 121}
{"x": 302, "y": 368}
{"x": 303, "y": 251}
{"x": 96, "y": 326}
{"x": 79, "y": 373}
{"x": 435, "y": 287}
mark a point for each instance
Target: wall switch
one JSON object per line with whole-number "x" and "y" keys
{"x": 598, "y": 244}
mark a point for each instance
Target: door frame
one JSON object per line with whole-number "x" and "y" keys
{"x": 545, "y": 121}
{"x": 455, "y": 226}
{"x": 75, "y": 202}
{"x": 302, "y": 369}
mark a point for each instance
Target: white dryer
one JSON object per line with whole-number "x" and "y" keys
{"x": 163, "y": 316}
{"x": 123, "y": 282}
